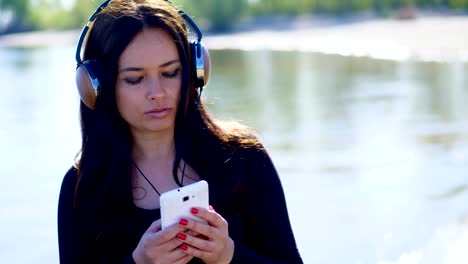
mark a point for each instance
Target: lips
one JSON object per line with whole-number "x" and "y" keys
{"x": 158, "y": 112}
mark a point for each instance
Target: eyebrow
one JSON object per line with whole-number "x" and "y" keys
{"x": 127, "y": 69}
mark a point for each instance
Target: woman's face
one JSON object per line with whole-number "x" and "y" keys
{"x": 149, "y": 81}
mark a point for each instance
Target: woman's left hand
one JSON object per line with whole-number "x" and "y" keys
{"x": 213, "y": 244}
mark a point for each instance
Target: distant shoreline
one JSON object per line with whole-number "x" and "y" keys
{"x": 37, "y": 39}
{"x": 427, "y": 38}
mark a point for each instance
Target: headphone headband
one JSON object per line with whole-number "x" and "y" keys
{"x": 91, "y": 19}
{"x": 85, "y": 30}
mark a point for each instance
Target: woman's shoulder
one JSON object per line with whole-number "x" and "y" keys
{"x": 249, "y": 156}
{"x": 67, "y": 193}
{"x": 251, "y": 153}
{"x": 239, "y": 141}
{"x": 70, "y": 179}
{"x": 237, "y": 136}
{"x": 253, "y": 168}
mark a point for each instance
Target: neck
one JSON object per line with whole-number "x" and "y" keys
{"x": 157, "y": 148}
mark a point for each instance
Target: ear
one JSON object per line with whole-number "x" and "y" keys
{"x": 201, "y": 63}
{"x": 87, "y": 82}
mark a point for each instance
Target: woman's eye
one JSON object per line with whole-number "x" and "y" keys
{"x": 133, "y": 81}
{"x": 171, "y": 74}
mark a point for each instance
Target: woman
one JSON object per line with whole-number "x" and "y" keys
{"x": 147, "y": 133}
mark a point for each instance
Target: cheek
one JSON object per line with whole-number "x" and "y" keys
{"x": 119, "y": 99}
{"x": 176, "y": 89}
{"x": 123, "y": 101}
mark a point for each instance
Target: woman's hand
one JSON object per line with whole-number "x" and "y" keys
{"x": 161, "y": 246}
{"x": 213, "y": 244}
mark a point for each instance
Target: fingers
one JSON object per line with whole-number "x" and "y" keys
{"x": 212, "y": 243}
{"x": 219, "y": 253}
{"x": 162, "y": 245}
{"x": 183, "y": 260}
{"x": 204, "y": 229}
{"x": 178, "y": 256}
{"x": 209, "y": 215}
{"x": 166, "y": 253}
{"x": 195, "y": 234}
{"x": 199, "y": 243}
{"x": 163, "y": 236}
{"x": 155, "y": 226}
{"x": 164, "y": 240}
{"x": 200, "y": 234}
{"x": 196, "y": 252}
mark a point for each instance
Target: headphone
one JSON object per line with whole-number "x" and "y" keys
{"x": 88, "y": 71}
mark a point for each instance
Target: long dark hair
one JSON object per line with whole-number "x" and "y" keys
{"x": 104, "y": 189}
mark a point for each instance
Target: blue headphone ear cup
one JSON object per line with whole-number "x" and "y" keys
{"x": 87, "y": 82}
{"x": 201, "y": 64}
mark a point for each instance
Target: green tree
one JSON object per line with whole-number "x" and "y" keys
{"x": 217, "y": 15}
{"x": 81, "y": 11}
{"x": 359, "y": 5}
{"x": 458, "y": 4}
{"x": 19, "y": 10}
{"x": 48, "y": 14}
{"x": 220, "y": 15}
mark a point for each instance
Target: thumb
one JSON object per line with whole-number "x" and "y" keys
{"x": 154, "y": 227}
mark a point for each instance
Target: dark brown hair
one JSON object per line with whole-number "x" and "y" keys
{"x": 104, "y": 189}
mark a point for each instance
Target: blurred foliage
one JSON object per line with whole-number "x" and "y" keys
{"x": 215, "y": 15}
{"x": 18, "y": 11}
{"x": 266, "y": 7}
{"x": 48, "y": 14}
{"x": 24, "y": 15}
{"x": 218, "y": 15}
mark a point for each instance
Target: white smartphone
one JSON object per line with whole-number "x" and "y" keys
{"x": 176, "y": 204}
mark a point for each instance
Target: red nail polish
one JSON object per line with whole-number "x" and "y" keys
{"x": 194, "y": 210}
{"x": 183, "y": 222}
{"x": 182, "y": 236}
{"x": 183, "y": 247}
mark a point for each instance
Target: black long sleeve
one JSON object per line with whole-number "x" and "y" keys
{"x": 74, "y": 237}
{"x": 257, "y": 216}
{"x": 74, "y": 244}
{"x": 270, "y": 238}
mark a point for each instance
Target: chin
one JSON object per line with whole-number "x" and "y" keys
{"x": 159, "y": 127}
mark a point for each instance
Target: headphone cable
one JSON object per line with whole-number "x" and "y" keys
{"x": 144, "y": 176}
{"x": 190, "y": 140}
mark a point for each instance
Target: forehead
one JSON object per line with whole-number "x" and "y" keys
{"x": 150, "y": 47}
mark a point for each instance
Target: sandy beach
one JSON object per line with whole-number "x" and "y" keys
{"x": 427, "y": 38}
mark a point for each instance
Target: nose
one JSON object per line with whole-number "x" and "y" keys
{"x": 155, "y": 92}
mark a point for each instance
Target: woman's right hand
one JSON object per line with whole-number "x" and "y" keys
{"x": 159, "y": 246}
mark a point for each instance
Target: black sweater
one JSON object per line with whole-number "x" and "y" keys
{"x": 255, "y": 210}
